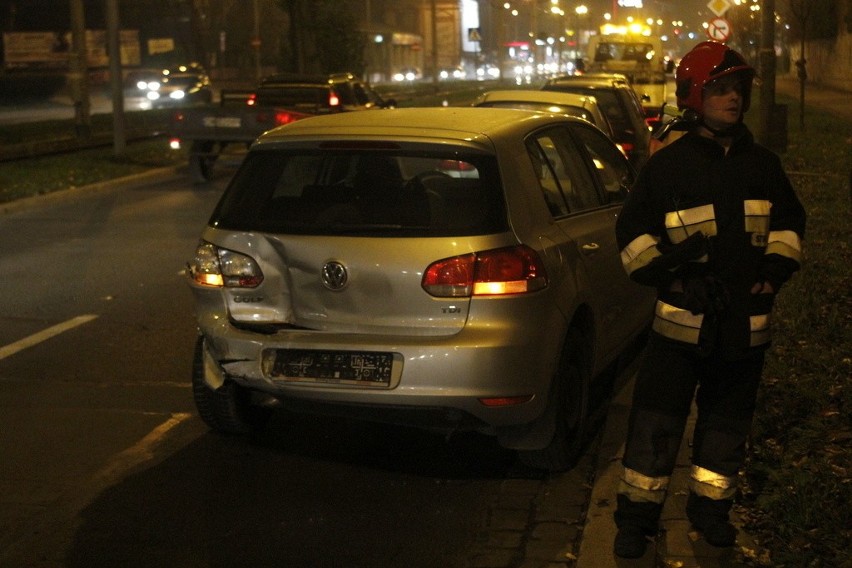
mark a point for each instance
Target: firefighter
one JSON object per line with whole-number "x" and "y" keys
{"x": 714, "y": 225}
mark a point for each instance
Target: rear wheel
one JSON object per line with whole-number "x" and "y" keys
{"x": 227, "y": 409}
{"x": 202, "y": 157}
{"x": 571, "y": 392}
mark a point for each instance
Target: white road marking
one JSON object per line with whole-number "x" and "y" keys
{"x": 44, "y": 335}
{"x": 140, "y": 452}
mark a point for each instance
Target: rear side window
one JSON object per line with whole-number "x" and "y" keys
{"x": 368, "y": 193}
{"x": 610, "y": 166}
{"x": 564, "y": 180}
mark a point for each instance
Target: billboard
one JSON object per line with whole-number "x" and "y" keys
{"x": 51, "y": 50}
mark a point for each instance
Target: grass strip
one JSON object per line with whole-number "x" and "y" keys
{"x": 797, "y": 485}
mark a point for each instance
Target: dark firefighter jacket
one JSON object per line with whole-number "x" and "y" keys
{"x": 744, "y": 204}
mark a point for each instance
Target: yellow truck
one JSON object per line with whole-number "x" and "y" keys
{"x": 637, "y": 56}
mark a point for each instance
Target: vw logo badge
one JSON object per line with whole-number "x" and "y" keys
{"x": 334, "y": 275}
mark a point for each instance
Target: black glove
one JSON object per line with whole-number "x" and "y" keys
{"x": 705, "y": 295}
{"x": 692, "y": 248}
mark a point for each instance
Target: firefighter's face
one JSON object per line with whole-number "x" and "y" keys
{"x": 723, "y": 102}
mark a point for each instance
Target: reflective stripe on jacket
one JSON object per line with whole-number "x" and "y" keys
{"x": 743, "y": 202}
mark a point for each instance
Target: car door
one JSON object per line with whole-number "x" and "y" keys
{"x": 587, "y": 222}
{"x": 615, "y": 176}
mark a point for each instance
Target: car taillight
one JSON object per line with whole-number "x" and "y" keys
{"x": 333, "y": 100}
{"x": 285, "y": 117}
{"x": 251, "y": 100}
{"x": 217, "y": 267}
{"x": 626, "y": 148}
{"x": 511, "y": 270}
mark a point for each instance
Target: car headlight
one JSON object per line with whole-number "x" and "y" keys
{"x": 153, "y": 95}
{"x": 177, "y": 95}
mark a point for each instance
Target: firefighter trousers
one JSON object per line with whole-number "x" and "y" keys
{"x": 663, "y": 395}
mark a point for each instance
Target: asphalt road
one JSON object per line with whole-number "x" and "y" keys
{"x": 104, "y": 462}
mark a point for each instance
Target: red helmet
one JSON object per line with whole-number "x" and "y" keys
{"x": 707, "y": 61}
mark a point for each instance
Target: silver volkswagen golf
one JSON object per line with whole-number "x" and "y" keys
{"x": 447, "y": 268}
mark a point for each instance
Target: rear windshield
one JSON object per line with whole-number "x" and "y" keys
{"x": 608, "y": 103}
{"x": 570, "y": 110}
{"x": 620, "y": 51}
{"x": 369, "y": 193}
{"x": 307, "y": 97}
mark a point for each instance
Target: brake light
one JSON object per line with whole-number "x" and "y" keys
{"x": 496, "y": 272}
{"x": 333, "y": 100}
{"x": 251, "y": 100}
{"x": 285, "y": 118}
{"x": 174, "y": 143}
{"x": 217, "y": 267}
{"x": 456, "y": 166}
{"x": 506, "y": 400}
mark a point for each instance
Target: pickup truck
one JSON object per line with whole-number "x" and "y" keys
{"x": 242, "y": 116}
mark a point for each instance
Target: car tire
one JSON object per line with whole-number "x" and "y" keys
{"x": 228, "y": 409}
{"x": 202, "y": 157}
{"x": 572, "y": 398}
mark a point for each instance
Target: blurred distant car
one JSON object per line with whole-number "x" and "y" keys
{"x": 452, "y": 74}
{"x": 571, "y": 104}
{"x": 182, "y": 85}
{"x": 523, "y": 74}
{"x": 137, "y": 84}
{"x": 408, "y": 74}
{"x": 620, "y": 104}
{"x": 345, "y": 273}
{"x": 487, "y": 72}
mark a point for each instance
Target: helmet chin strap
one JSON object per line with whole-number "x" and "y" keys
{"x": 727, "y": 132}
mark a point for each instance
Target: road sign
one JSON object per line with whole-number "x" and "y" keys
{"x": 719, "y": 29}
{"x": 719, "y": 7}
{"x": 473, "y": 34}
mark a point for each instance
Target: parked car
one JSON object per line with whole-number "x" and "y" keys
{"x": 344, "y": 272}
{"x": 182, "y": 85}
{"x": 571, "y": 104}
{"x": 621, "y": 105}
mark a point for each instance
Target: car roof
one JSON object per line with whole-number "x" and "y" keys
{"x": 447, "y": 124}
{"x": 538, "y": 96}
{"x": 594, "y": 80}
{"x": 299, "y": 78}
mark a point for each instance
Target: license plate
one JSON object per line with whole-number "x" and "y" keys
{"x": 345, "y": 367}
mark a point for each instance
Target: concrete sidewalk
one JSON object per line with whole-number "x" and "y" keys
{"x": 677, "y": 544}
{"x": 830, "y": 100}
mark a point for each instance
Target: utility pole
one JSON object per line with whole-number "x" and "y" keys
{"x": 433, "y": 6}
{"x": 114, "y": 52}
{"x": 78, "y": 75}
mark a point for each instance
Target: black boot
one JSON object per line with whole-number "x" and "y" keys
{"x": 630, "y": 542}
{"x": 710, "y": 516}
{"x": 636, "y": 521}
